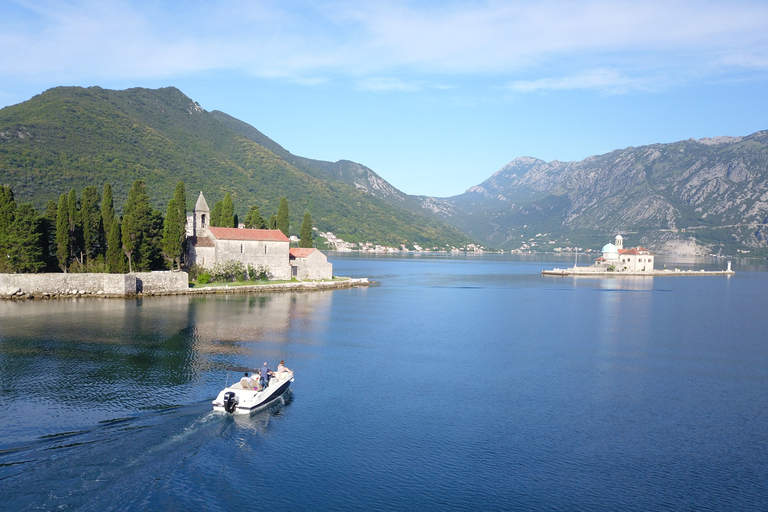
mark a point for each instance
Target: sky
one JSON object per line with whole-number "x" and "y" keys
{"x": 434, "y": 96}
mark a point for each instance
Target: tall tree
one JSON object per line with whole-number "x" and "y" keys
{"x": 254, "y": 220}
{"x": 62, "y": 233}
{"x": 282, "y": 216}
{"x": 25, "y": 241}
{"x": 216, "y": 214}
{"x": 174, "y": 232}
{"x": 93, "y": 228}
{"x": 151, "y": 252}
{"x": 227, "y": 219}
{"x": 48, "y": 227}
{"x": 305, "y": 236}
{"x": 7, "y": 210}
{"x": 107, "y": 208}
{"x": 115, "y": 255}
{"x": 75, "y": 226}
{"x": 273, "y": 221}
{"x": 137, "y": 217}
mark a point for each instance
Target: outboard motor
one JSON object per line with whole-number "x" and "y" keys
{"x": 230, "y": 401}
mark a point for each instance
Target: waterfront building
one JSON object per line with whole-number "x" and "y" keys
{"x": 636, "y": 259}
{"x": 268, "y": 248}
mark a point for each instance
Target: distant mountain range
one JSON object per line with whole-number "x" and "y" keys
{"x": 708, "y": 193}
{"x": 706, "y": 196}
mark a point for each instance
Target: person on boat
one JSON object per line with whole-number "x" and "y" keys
{"x": 282, "y": 368}
{"x": 249, "y": 379}
{"x": 265, "y": 374}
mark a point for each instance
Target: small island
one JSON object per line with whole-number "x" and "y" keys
{"x": 637, "y": 261}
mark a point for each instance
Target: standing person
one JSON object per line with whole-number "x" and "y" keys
{"x": 265, "y": 373}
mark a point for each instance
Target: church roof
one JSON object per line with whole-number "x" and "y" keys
{"x": 638, "y": 250}
{"x": 301, "y": 252}
{"x": 259, "y": 235}
{"x": 201, "y": 241}
{"x": 201, "y": 205}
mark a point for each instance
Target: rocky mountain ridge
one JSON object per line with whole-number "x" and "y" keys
{"x": 713, "y": 191}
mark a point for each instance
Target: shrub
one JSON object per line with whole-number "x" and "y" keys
{"x": 203, "y": 278}
{"x": 227, "y": 271}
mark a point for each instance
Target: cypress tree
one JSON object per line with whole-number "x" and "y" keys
{"x": 273, "y": 221}
{"x": 25, "y": 241}
{"x": 180, "y": 196}
{"x": 150, "y": 255}
{"x": 62, "y": 234}
{"x": 282, "y": 216}
{"x": 93, "y": 228}
{"x": 107, "y": 208}
{"x": 254, "y": 220}
{"x": 137, "y": 218}
{"x": 75, "y": 226}
{"x": 216, "y": 215}
{"x": 172, "y": 235}
{"x": 115, "y": 257}
{"x": 227, "y": 219}
{"x": 305, "y": 236}
{"x": 7, "y": 210}
{"x": 48, "y": 227}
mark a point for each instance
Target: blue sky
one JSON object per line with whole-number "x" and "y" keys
{"x": 434, "y": 96}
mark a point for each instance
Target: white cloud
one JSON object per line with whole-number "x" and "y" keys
{"x": 604, "y": 80}
{"x": 368, "y": 41}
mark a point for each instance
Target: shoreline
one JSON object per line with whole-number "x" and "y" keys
{"x": 298, "y": 286}
{"x": 577, "y": 272}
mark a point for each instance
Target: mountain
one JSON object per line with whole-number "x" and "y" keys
{"x": 711, "y": 193}
{"x": 71, "y": 137}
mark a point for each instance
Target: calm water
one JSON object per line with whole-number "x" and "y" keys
{"x": 453, "y": 384}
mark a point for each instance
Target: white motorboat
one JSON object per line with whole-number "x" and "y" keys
{"x": 241, "y": 397}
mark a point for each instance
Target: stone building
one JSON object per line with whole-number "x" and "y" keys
{"x": 637, "y": 259}
{"x": 310, "y": 264}
{"x": 208, "y": 245}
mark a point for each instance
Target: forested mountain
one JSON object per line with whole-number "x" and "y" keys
{"x": 713, "y": 192}
{"x": 71, "y": 137}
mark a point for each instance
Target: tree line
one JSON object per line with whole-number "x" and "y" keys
{"x": 223, "y": 215}
{"x": 83, "y": 233}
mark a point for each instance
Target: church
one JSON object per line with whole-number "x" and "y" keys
{"x": 637, "y": 259}
{"x": 270, "y": 248}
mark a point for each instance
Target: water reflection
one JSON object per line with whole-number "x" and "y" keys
{"x": 89, "y": 360}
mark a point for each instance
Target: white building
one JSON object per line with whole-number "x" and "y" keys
{"x": 637, "y": 259}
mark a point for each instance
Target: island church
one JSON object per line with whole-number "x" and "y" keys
{"x": 208, "y": 245}
{"x": 637, "y": 259}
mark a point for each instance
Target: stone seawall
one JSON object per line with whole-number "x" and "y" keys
{"x": 102, "y": 285}
{"x": 29, "y": 286}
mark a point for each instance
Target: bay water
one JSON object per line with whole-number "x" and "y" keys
{"x": 452, "y": 383}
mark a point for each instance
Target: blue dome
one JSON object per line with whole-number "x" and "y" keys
{"x": 610, "y": 249}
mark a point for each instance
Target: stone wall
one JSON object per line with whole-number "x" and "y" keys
{"x": 161, "y": 282}
{"x": 114, "y": 285}
{"x": 67, "y": 284}
{"x": 274, "y": 255}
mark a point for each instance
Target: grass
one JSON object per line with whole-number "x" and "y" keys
{"x": 260, "y": 283}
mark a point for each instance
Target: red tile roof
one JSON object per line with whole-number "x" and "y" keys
{"x": 201, "y": 241}
{"x": 262, "y": 235}
{"x": 637, "y": 250}
{"x": 301, "y": 252}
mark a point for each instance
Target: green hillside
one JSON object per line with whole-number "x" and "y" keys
{"x": 71, "y": 137}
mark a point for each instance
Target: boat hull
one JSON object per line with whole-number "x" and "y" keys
{"x": 247, "y": 400}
